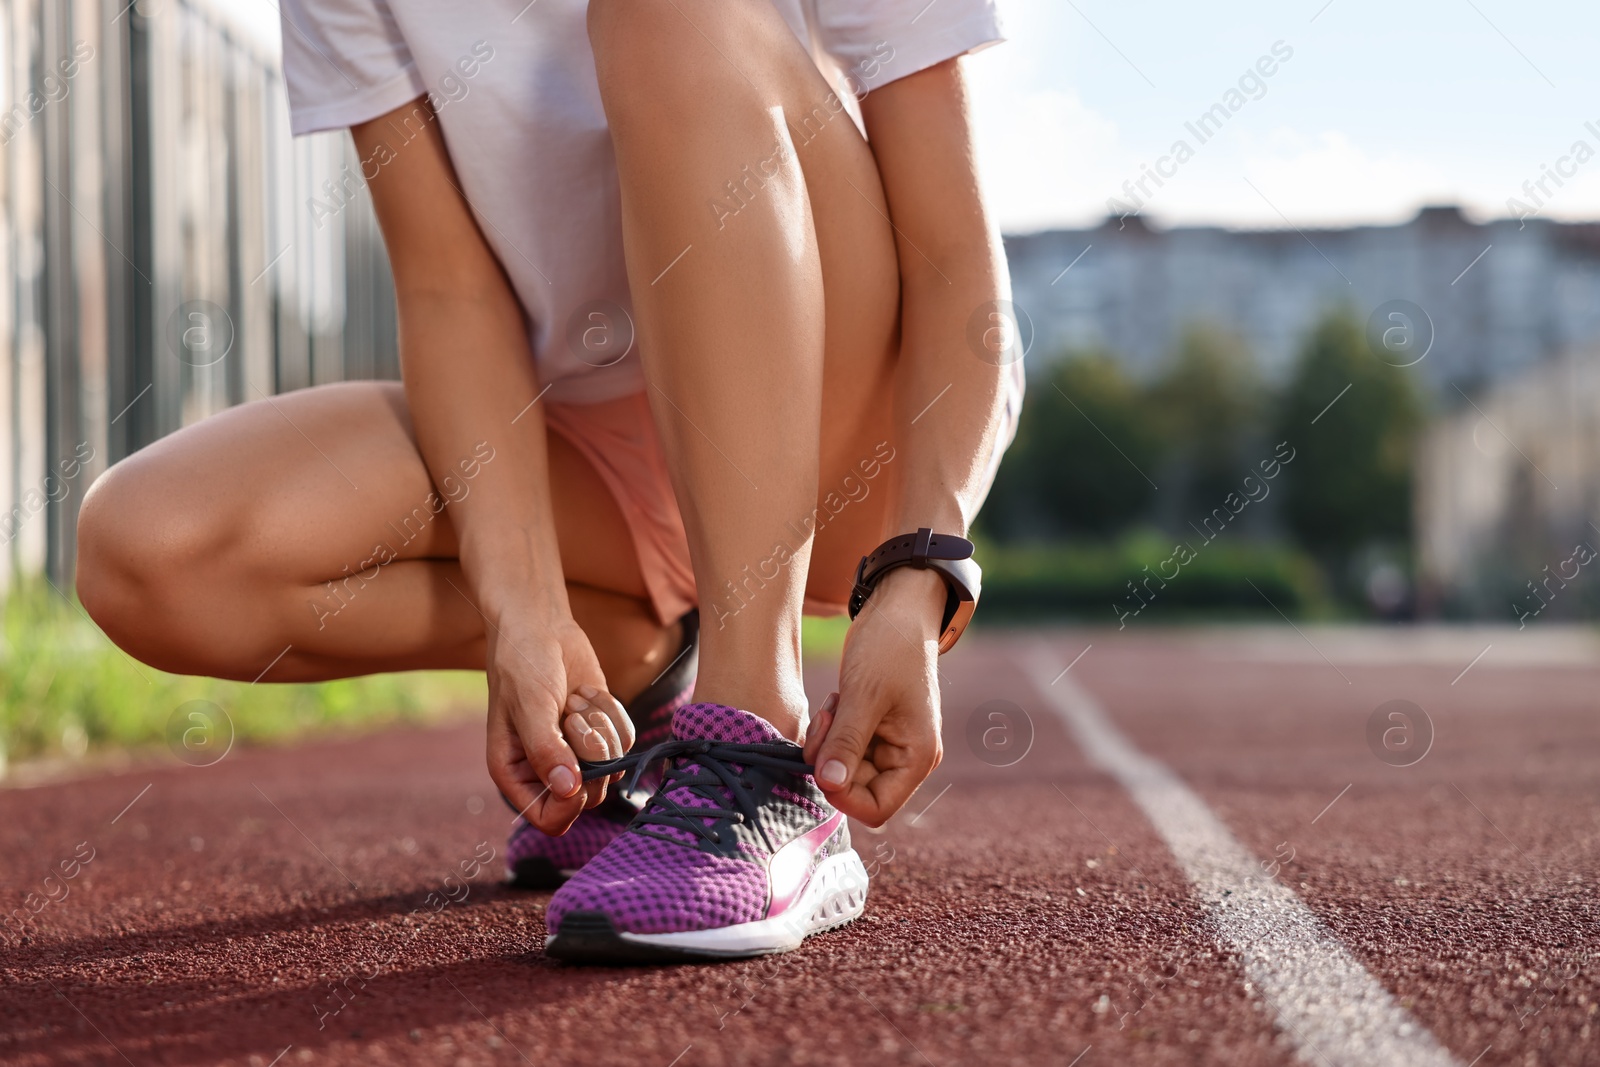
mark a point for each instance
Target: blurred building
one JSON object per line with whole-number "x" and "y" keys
{"x": 1500, "y": 295}
{"x": 1508, "y": 489}
{"x": 159, "y": 258}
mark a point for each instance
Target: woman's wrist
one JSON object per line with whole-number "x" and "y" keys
{"x": 914, "y": 598}
{"x": 930, "y": 502}
{"x": 518, "y": 576}
{"x": 519, "y": 595}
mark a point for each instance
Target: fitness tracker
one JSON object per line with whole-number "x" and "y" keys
{"x": 949, "y": 555}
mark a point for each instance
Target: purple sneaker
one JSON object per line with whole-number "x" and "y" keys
{"x": 534, "y": 859}
{"x": 763, "y": 862}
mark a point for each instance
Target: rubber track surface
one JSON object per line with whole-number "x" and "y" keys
{"x": 276, "y": 909}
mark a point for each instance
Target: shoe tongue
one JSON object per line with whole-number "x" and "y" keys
{"x": 707, "y": 722}
{"x": 718, "y": 722}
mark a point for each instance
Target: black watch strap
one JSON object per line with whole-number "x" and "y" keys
{"x": 949, "y": 555}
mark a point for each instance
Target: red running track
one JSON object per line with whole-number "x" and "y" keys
{"x": 1021, "y": 914}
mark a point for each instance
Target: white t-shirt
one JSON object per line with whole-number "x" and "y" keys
{"x": 514, "y": 86}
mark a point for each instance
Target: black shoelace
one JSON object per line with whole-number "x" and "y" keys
{"x": 715, "y": 757}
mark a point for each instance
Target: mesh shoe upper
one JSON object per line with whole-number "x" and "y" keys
{"x": 698, "y": 856}
{"x": 592, "y": 831}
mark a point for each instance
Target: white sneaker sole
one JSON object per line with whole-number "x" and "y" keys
{"x": 835, "y": 895}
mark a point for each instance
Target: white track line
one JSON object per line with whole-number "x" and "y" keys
{"x": 1325, "y": 1002}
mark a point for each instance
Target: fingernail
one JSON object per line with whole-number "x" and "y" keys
{"x": 589, "y": 691}
{"x": 577, "y": 703}
{"x": 576, "y": 724}
{"x": 563, "y": 782}
{"x": 830, "y": 704}
{"x": 833, "y": 772}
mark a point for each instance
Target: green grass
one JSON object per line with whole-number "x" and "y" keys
{"x": 65, "y": 690}
{"x": 1224, "y": 580}
{"x": 823, "y": 639}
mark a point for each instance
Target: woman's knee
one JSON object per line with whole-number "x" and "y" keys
{"x": 144, "y": 553}
{"x": 618, "y": 31}
{"x": 651, "y": 54}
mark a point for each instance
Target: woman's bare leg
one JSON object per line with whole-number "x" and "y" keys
{"x": 265, "y": 530}
{"x": 207, "y": 551}
{"x": 764, "y": 280}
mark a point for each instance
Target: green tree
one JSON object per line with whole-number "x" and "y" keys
{"x": 1349, "y": 485}
{"x": 1208, "y": 400}
{"x": 1085, "y": 446}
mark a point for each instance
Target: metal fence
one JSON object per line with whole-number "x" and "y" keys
{"x": 162, "y": 254}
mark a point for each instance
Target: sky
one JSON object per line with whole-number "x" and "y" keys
{"x": 1383, "y": 106}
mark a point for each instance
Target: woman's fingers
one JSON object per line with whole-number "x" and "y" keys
{"x": 876, "y": 746}
{"x": 817, "y": 729}
{"x": 840, "y": 757}
{"x": 593, "y": 745}
{"x": 589, "y": 743}
{"x": 604, "y": 714}
{"x": 509, "y": 768}
{"x": 556, "y": 764}
{"x": 604, "y": 726}
{"x": 611, "y": 707}
{"x": 880, "y": 785}
{"x": 528, "y": 774}
{"x": 599, "y": 723}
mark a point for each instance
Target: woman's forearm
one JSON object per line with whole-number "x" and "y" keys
{"x": 468, "y": 372}
{"x": 471, "y": 388}
{"x": 948, "y": 401}
{"x": 949, "y": 396}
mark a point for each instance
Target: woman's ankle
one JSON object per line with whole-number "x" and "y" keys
{"x": 779, "y": 702}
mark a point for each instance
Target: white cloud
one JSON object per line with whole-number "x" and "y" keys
{"x": 1050, "y": 161}
{"x": 1329, "y": 179}
{"x": 1045, "y": 159}
{"x": 1576, "y": 198}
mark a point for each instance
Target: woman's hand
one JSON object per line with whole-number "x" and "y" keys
{"x": 877, "y": 739}
{"x": 549, "y": 708}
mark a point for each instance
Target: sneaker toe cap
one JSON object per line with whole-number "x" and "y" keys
{"x": 645, "y": 885}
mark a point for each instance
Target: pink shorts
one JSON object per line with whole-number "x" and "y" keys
{"x": 618, "y": 438}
